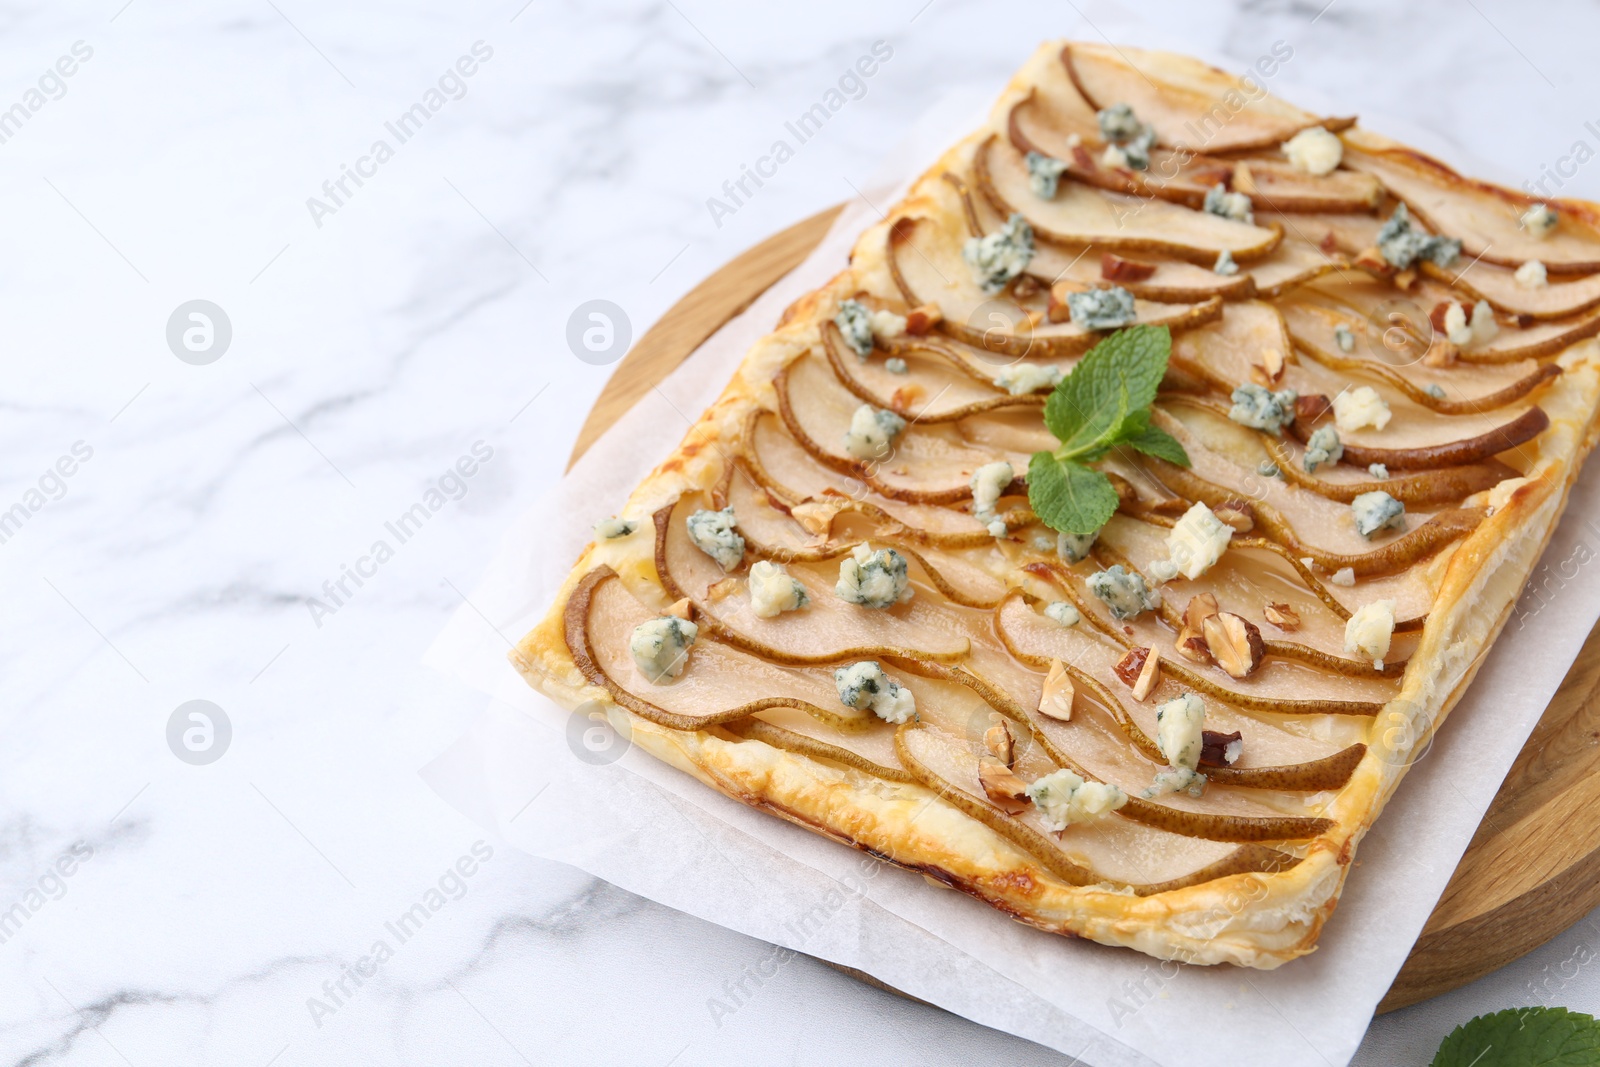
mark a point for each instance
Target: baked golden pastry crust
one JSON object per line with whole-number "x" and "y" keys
{"x": 1486, "y": 441}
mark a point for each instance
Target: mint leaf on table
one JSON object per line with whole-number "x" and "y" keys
{"x": 1105, "y": 402}
{"x": 1523, "y": 1037}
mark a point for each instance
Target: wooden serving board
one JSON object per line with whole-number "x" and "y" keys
{"x": 1532, "y": 870}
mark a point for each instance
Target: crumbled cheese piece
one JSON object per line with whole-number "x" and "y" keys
{"x": 1322, "y": 446}
{"x": 855, "y": 323}
{"x": 1074, "y": 547}
{"x": 1044, "y": 175}
{"x": 1123, "y": 591}
{"x": 896, "y": 365}
{"x": 1345, "y": 576}
{"x": 1314, "y": 150}
{"x": 1376, "y": 511}
{"x": 989, "y": 484}
{"x": 873, "y": 578}
{"x": 1344, "y": 338}
{"x": 1063, "y": 612}
{"x": 1020, "y": 378}
{"x": 1484, "y": 327}
{"x": 1261, "y": 409}
{"x": 773, "y": 591}
{"x": 888, "y": 325}
{"x": 1531, "y": 275}
{"x": 1225, "y": 264}
{"x": 998, "y": 257}
{"x": 1435, "y": 390}
{"x": 1369, "y": 630}
{"x": 1176, "y": 780}
{"x": 661, "y": 646}
{"x": 865, "y": 687}
{"x": 613, "y": 528}
{"x": 1042, "y": 541}
{"x": 1235, "y": 206}
{"x": 1539, "y": 220}
{"x": 872, "y": 432}
{"x": 1162, "y": 570}
{"x": 1358, "y": 407}
{"x": 1401, "y": 244}
{"x": 1180, "y": 723}
{"x": 1378, "y": 470}
{"x": 1197, "y": 540}
{"x": 713, "y": 533}
{"x": 1456, "y": 327}
{"x": 1101, "y": 309}
{"x": 1118, "y": 123}
{"x": 1062, "y": 798}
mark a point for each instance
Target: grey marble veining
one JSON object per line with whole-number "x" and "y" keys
{"x": 372, "y": 347}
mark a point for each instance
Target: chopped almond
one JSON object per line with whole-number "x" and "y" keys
{"x": 1191, "y": 642}
{"x": 1219, "y": 749}
{"x": 817, "y": 515}
{"x": 1026, "y": 285}
{"x": 1235, "y": 643}
{"x": 1329, "y": 243}
{"x": 1057, "y": 310}
{"x": 1282, "y": 616}
{"x": 1237, "y": 514}
{"x": 1131, "y": 665}
{"x": 1372, "y": 261}
{"x": 902, "y": 398}
{"x": 1441, "y": 353}
{"x": 998, "y": 740}
{"x": 999, "y": 784}
{"x": 1055, "y": 702}
{"x": 721, "y": 590}
{"x": 1406, "y": 279}
{"x": 682, "y": 609}
{"x": 1243, "y": 181}
{"x": 919, "y": 320}
{"x": 1035, "y": 317}
{"x": 1269, "y": 370}
{"x": 1149, "y": 676}
{"x": 1082, "y": 159}
{"x": 1309, "y": 409}
{"x": 1113, "y": 268}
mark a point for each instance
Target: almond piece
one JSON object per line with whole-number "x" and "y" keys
{"x": 1219, "y": 749}
{"x": 1441, "y": 353}
{"x": 1269, "y": 370}
{"x": 1191, "y": 642}
{"x": 1057, "y": 310}
{"x": 1025, "y": 286}
{"x": 1282, "y": 616}
{"x": 1235, "y": 643}
{"x": 1149, "y": 676}
{"x": 1237, "y": 514}
{"x": 999, "y": 784}
{"x": 1406, "y": 279}
{"x": 1371, "y": 260}
{"x": 682, "y": 609}
{"x": 817, "y": 515}
{"x": 1131, "y": 665}
{"x": 723, "y": 588}
{"x": 1113, "y": 268}
{"x": 1055, "y": 702}
{"x": 998, "y": 740}
{"x": 903, "y": 397}
{"x": 1308, "y": 409}
{"x": 919, "y": 320}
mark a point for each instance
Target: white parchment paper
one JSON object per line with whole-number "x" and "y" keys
{"x": 562, "y": 787}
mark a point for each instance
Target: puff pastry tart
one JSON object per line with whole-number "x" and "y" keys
{"x": 1106, "y": 540}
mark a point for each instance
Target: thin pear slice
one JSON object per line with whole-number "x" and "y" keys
{"x": 828, "y": 630}
{"x": 600, "y": 617}
{"x": 1485, "y": 217}
{"x": 1189, "y": 103}
{"x": 1498, "y": 285}
{"x": 1080, "y": 215}
{"x": 927, "y": 268}
{"x": 931, "y": 391}
{"x": 1293, "y": 263}
{"x": 803, "y": 740}
{"x": 1275, "y": 185}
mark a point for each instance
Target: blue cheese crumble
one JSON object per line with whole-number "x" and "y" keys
{"x": 1368, "y": 631}
{"x": 1531, "y": 275}
{"x": 1101, "y": 309}
{"x": 1128, "y": 140}
{"x": 1378, "y": 470}
{"x": 873, "y": 578}
{"x": 996, "y": 258}
{"x": 1063, "y": 798}
{"x": 1376, "y": 511}
{"x": 1021, "y": 378}
{"x": 1063, "y": 612}
{"x": 713, "y": 533}
{"x": 1195, "y": 543}
{"x": 1401, "y": 244}
{"x": 1223, "y": 204}
{"x": 1539, "y": 220}
{"x": 855, "y": 323}
{"x": 1344, "y": 338}
{"x": 989, "y": 484}
{"x": 1314, "y": 150}
{"x": 1074, "y": 547}
{"x": 613, "y": 528}
{"x": 1225, "y": 265}
{"x": 661, "y": 646}
{"x": 1323, "y": 446}
{"x": 896, "y": 365}
{"x": 1260, "y": 408}
{"x": 1436, "y": 391}
{"x": 1118, "y": 123}
{"x": 865, "y": 687}
{"x": 1123, "y": 591}
{"x": 1180, "y": 726}
{"x": 872, "y": 432}
{"x": 774, "y": 591}
{"x": 1044, "y": 175}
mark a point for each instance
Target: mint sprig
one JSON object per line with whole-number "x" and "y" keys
{"x": 1104, "y": 403}
{"x": 1523, "y": 1037}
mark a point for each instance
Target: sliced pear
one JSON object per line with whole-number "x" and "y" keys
{"x": 806, "y": 745}
{"x": 1082, "y": 215}
{"x": 829, "y": 630}
{"x": 934, "y": 392}
{"x": 1496, "y": 284}
{"x": 1493, "y": 441}
{"x": 1485, "y": 217}
{"x": 1275, "y": 185}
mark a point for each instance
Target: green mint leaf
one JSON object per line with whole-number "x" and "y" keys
{"x": 1068, "y": 496}
{"x": 1523, "y": 1037}
{"x": 1118, "y": 377}
{"x": 1154, "y": 441}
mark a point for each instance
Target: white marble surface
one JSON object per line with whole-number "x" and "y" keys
{"x": 370, "y": 353}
